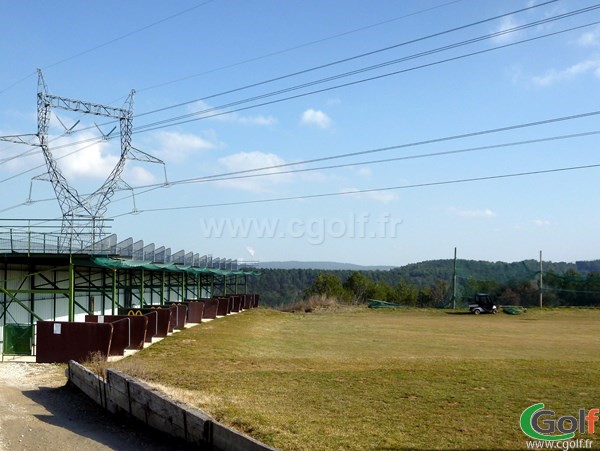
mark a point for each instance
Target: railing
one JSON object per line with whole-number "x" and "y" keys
{"x": 26, "y": 241}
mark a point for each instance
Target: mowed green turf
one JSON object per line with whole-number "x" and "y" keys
{"x": 373, "y": 379}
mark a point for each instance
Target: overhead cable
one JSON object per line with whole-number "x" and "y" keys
{"x": 370, "y": 190}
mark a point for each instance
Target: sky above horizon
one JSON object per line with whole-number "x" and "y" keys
{"x": 375, "y": 133}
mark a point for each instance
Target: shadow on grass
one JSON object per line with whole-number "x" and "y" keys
{"x": 458, "y": 313}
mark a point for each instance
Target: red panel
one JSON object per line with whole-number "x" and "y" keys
{"x": 59, "y": 342}
{"x": 195, "y": 310}
{"x": 179, "y": 315}
{"x": 211, "y": 307}
{"x": 223, "y": 308}
{"x": 237, "y": 303}
{"x": 247, "y": 301}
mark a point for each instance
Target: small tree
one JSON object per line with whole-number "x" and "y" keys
{"x": 359, "y": 286}
{"x": 406, "y": 293}
{"x": 328, "y": 285}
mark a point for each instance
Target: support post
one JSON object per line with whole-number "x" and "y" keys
{"x": 162, "y": 288}
{"x": 71, "y": 290}
{"x": 541, "y": 282}
{"x": 454, "y": 282}
{"x": 114, "y": 290}
{"x": 142, "y": 288}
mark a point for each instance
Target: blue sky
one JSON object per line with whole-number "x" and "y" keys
{"x": 198, "y": 54}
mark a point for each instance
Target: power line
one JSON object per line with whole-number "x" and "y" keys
{"x": 389, "y": 160}
{"x": 361, "y": 55}
{"x": 371, "y": 190}
{"x": 407, "y": 145}
{"x": 112, "y": 41}
{"x": 169, "y": 122}
{"x": 409, "y": 157}
{"x": 307, "y": 44}
{"x": 238, "y": 174}
{"x": 161, "y": 124}
{"x": 354, "y": 72}
{"x": 439, "y": 62}
{"x": 244, "y": 174}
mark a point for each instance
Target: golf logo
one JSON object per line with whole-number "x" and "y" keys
{"x": 541, "y": 424}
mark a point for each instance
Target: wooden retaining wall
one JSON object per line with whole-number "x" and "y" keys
{"x": 119, "y": 394}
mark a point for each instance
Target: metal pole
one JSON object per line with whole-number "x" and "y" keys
{"x": 114, "y": 290}
{"x": 541, "y": 282}
{"x": 162, "y": 288}
{"x": 71, "y": 289}
{"x": 454, "y": 283}
{"x": 142, "y": 288}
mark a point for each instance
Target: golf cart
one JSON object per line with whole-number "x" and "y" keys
{"x": 482, "y": 303}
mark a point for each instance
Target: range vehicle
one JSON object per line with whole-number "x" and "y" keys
{"x": 483, "y": 303}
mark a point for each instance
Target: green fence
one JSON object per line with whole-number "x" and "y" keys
{"x": 18, "y": 339}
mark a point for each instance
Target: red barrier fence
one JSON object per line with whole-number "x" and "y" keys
{"x": 163, "y": 318}
{"x": 59, "y": 342}
{"x": 136, "y": 334}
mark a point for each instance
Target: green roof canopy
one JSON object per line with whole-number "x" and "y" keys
{"x": 107, "y": 262}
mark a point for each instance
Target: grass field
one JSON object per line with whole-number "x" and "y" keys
{"x": 363, "y": 379}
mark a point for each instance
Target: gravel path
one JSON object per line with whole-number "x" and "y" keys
{"x": 39, "y": 411}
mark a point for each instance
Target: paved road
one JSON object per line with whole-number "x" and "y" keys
{"x": 39, "y": 411}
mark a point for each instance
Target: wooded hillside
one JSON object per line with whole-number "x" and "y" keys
{"x": 429, "y": 283}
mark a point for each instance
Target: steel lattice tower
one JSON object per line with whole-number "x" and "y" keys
{"x": 83, "y": 217}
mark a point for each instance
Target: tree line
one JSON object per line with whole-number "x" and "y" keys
{"x": 431, "y": 284}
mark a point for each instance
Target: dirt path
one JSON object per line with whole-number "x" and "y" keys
{"x": 38, "y": 411}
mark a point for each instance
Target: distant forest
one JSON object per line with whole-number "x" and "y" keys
{"x": 429, "y": 284}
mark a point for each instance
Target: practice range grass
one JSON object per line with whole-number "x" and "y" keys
{"x": 381, "y": 379}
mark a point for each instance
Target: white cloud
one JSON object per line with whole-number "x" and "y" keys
{"x": 541, "y": 222}
{"x": 554, "y": 76}
{"x": 176, "y": 146}
{"x": 590, "y": 38}
{"x": 137, "y": 175}
{"x": 230, "y": 117}
{"x": 17, "y": 158}
{"x": 485, "y": 213}
{"x": 243, "y": 161}
{"x": 85, "y": 161}
{"x": 383, "y": 197}
{"x": 250, "y": 120}
{"x": 506, "y": 23}
{"x": 315, "y": 117}
{"x": 364, "y": 172}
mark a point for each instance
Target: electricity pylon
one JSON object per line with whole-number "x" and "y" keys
{"x": 83, "y": 217}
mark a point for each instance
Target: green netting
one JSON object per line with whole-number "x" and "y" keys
{"x": 106, "y": 262}
{"x": 374, "y": 303}
{"x": 17, "y": 339}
